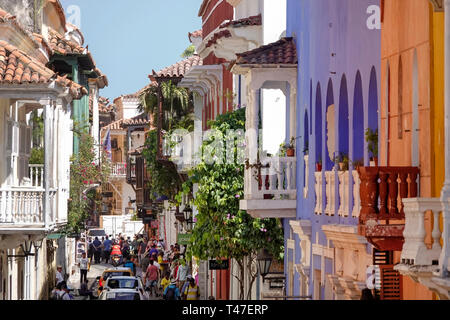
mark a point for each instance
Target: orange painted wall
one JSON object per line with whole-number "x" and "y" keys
{"x": 407, "y": 29}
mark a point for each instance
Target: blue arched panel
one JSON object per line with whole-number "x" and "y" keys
{"x": 358, "y": 120}
{"x": 343, "y": 118}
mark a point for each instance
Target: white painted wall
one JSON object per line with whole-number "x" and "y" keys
{"x": 130, "y": 108}
{"x": 248, "y": 8}
{"x": 274, "y": 20}
{"x": 274, "y": 119}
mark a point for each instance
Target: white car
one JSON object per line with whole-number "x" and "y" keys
{"x": 126, "y": 282}
{"x": 122, "y": 294}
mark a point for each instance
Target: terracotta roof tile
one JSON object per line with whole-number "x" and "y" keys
{"x": 104, "y": 105}
{"x": 283, "y": 51}
{"x": 195, "y": 34}
{"x": 250, "y": 21}
{"x": 217, "y": 36}
{"x": 139, "y": 120}
{"x": 16, "y": 67}
{"x": 62, "y": 46}
{"x": 179, "y": 69}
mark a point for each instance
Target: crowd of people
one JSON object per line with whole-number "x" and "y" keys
{"x": 164, "y": 271}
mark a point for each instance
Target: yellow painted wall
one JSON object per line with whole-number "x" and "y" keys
{"x": 437, "y": 101}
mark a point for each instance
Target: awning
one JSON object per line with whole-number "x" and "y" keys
{"x": 55, "y": 236}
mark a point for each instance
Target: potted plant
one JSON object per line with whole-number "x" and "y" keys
{"x": 358, "y": 163}
{"x": 372, "y": 140}
{"x": 290, "y": 148}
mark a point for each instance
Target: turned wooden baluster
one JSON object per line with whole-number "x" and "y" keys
{"x": 413, "y": 189}
{"x": 368, "y": 193}
{"x": 393, "y": 193}
{"x": 383, "y": 193}
{"x": 403, "y": 190}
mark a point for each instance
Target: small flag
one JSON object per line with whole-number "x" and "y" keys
{"x": 107, "y": 145}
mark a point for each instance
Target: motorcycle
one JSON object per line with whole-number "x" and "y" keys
{"x": 116, "y": 259}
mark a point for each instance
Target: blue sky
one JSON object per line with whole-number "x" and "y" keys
{"x": 130, "y": 38}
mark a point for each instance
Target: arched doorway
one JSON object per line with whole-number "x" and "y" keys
{"x": 358, "y": 121}
{"x": 372, "y": 114}
{"x": 330, "y": 137}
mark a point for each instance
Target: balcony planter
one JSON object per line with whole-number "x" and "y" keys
{"x": 290, "y": 152}
{"x": 318, "y": 166}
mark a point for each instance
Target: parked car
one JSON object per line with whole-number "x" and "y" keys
{"x": 125, "y": 282}
{"x": 119, "y": 271}
{"x": 122, "y": 294}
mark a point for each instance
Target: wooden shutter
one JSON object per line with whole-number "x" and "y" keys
{"x": 390, "y": 279}
{"x": 140, "y": 173}
{"x": 9, "y": 135}
{"x": 391, "y": 283}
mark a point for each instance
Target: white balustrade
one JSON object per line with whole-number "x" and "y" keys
{"x": 415, "y": 250}
{"x": 330, "y": 193}
{"x": 305, "y": 188}
{"x": 319, "y": 193}
{"x": 36, "y": 175}
{"x": 277, "y": 178}
{"x": 119, "y": 169}
{"x": 343, "y": 193}
{"x": 356, "y": 197}
{"x": 344, "y": 198}
{"x": 21, "y": 206}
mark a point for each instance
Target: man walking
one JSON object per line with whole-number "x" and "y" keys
{"x": 84, "y": 266}
{"x": 151, "y": 276}
{"x": 182, "y": 273}
{"x": 107, "y": 248}
{"x": 59, "y": 275}
{"x": 98, "y": 250}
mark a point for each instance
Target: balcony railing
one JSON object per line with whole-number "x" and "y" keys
{"x": 344, "y": 193}
{"x": 25, "y": 205}
{"x": 36, "y": 174}
{"x": 382, "y": 215}
{"x": 422, "y": 235}
{"x": 278, "y": 175}
{"x": 119, "y": 169}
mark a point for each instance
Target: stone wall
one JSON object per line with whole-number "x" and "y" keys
{"x": 28, "y": 12}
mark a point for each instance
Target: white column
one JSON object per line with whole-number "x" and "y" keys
{"x": 445, "y": 193}
{"x": 251, "y": 134}
{"x": 198, "y": 130}
{"x": 95, "y": 116}
{"x": 47, "y": 158}
{"x": 293, "y": 114}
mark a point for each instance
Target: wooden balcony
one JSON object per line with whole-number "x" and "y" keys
{"x": 382, "y": 215}
{"x": 119, "y": 170}
{"x": 276, "y": 197}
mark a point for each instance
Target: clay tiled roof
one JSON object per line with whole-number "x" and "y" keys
{"x": 103, "y": 105}
{"x": 179, "y": 69}
{"x": 139, "y": 120}
{"x": 7, "y": 18}
{"x": 6, "y": 15}
{"x": 195, "y": 34}
{"x": 16, "y": 67}
{"x": 63, "y": 46}
{"x": 116, "y": 125}
{"x": 250, "y": 21}
{"x": 283, "y": 51}
{"x": 217, "y": 36}
{"x": 60, "y": 11}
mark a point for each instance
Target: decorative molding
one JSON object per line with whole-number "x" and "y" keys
{"x": 438, "y": 5}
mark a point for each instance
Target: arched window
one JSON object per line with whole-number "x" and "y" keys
{"x": 330, "y": 138}
{"x": 318, "y": 123}
{"x": 343, "y": 146}
{"x": 358, "y": 121}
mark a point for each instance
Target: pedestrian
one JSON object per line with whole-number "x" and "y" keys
{"x": 56, "y": 291}
{"x": 98, "y": 250}
{"x": 107, "y": 248}
{"x": 182, "y": 273}
{"x": 64, "y": 294}
{"x": 129, "y": 264}
{"x": 84, "y": 267}
{"x": 142, "y": 249}
{"x": 172, "y": 292}
{"x": 160, "y": 262}
{"x": 165, "y": 282}
{"x": 85, "y": 292}
{"x": 151, "y": 276}
{"x": 192, "y": 290}
{"x": 125, "y": 250}
{"x": 59, "y": 275}
{"x": 91, "y": 250}
{"x": 185, "y": 285}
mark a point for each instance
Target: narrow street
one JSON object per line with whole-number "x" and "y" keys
{"x": 95, "y": 271}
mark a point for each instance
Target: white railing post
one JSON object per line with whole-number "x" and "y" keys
{"x": 305, "y": 188}
{"x": 356, "y": 195}
{"x": 319, "y": 193}
{"x": 415, "y": 251}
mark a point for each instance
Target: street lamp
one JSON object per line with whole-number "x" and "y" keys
{"x": 264, "y": 261}
{"x": 38, "y": 243}
{"x": 187, "y": 212}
